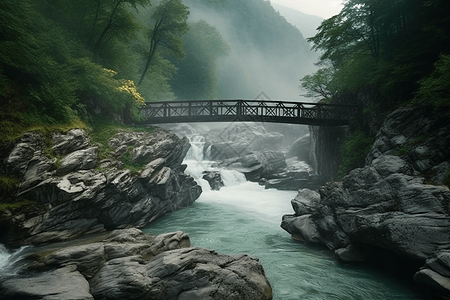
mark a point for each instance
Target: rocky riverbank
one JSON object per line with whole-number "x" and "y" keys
{"x": 128, "y": 264}
{"x": 71, "y": 191}
{"x": 72, "y": 188}
{"x": 398, "y": 203}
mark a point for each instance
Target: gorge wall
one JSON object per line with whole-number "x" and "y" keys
{"x": 325, "y": 150}
{"x": 398, "y": 203}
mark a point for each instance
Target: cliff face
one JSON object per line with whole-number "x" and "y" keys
{"x": 325, "y": 153}
{"x": 75, "y": 193}
{"x": 397, "y": 202}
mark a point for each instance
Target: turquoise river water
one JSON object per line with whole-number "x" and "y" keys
{"x": 243, "y": 217}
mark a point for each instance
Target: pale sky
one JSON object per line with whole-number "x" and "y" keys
{"x": 321, "y": 8}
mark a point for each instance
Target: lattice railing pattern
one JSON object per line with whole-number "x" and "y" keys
{"x": 247, "y": 108}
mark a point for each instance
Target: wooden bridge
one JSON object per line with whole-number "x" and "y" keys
{"x": 247, "y": 111}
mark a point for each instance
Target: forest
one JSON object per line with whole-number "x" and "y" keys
{"x": 80, "y": 62}
{"x": 398, "y": 49}
{"x": 60, "y": 60}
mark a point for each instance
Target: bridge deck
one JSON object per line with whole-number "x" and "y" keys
{"x": 247, "y": 111}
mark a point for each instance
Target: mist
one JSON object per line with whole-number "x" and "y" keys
{"x": 258, "y": 63}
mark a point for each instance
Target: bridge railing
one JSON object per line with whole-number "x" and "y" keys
{"x": 246, "y": 108}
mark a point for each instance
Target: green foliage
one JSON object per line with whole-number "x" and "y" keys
{"x": 196, "y": 76}
{"x": 435, "y": 88}
{"x": 320, "y": 84}
{"x": 384, "y": 44}
{"x": 48, "y": 70}
{"x": 410, "y": 144}
{"x": 8, "y": 186}
{"x": 17, "y": 205}
{"x": 134, "y": 167}
{"x": 169, "y": 24}
{"x": 354, "y": 152}
{"x": 104, "y": 130}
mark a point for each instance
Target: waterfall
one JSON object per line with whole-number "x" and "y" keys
{"x": 8, "y": 259}
{"x": 196, "y": 165}
{"x": 232, "y": 177}
{"x": 196, "y": 151}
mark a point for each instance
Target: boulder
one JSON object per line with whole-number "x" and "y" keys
{"x": 129, "y": 264}
{"x": 350, "y": 253}
{"x": 214, "y": 179}
{"x": 256, "y": 165}
{"x": 146, "y": 147}
{"x": 301, "y": 228}
{"x": 63, "y": 283}
{"x": 187, "y": 273}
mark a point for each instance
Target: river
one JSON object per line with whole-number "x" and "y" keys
{"x": 243, "y": 217}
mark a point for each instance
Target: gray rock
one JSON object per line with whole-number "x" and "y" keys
{"x": 78, "y": 160}
{"x": 182, "y": 274}
{"x": 302, "y": 228}
{"x": 88, "y": 201}
{"x": 147, "y": 147}
{"x": 87, "y": 258}
{"x": 239, "y": 139}
{"x": 214, "y": 179}
{"x": 433, "y": 280}
{"x": 350, "y": 254}
{"x": 63, "y": 283}
{"x": 129, "y": 264}
{"x": 305, "y": 202}
{"x": 390, "y": 202}
{"x": 257, "y": 164}
{"x": 301, "y": 149}
{"x": 29, "y": 145}
{"x": 74, "y": 140}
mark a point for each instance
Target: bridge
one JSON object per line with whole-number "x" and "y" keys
{"x": 248, "y": 111}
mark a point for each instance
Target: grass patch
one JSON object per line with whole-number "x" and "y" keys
{"x": 134, "y": 167}
{"x": 412, "y": 143}
{"x": 102, "y": 133}
{"x": 402, "y": 150}
{"x": 17, "y": 205}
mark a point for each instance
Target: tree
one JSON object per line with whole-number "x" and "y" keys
{"x": 196, "y": 76}
{"x": 169, "y": 25}
{"x": 320, "y": 84}
{"x": 112, "y": 18}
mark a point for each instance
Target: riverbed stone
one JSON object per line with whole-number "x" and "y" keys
{"x": 63, "y": 283}
{"x": 214, "y": 179}
{"x": 180, "y": 274}
{"x": 301, "y": 228}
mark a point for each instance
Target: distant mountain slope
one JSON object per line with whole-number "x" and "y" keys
{"x": 268, "y": 54}
{"x": 307, "y": 24}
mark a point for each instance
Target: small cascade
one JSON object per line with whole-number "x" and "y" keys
{"x": 232, "y": 177}
{"x": 8, "y": 259}
{"x": 196, "y": 165}
{"x": 196, "y": 151}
